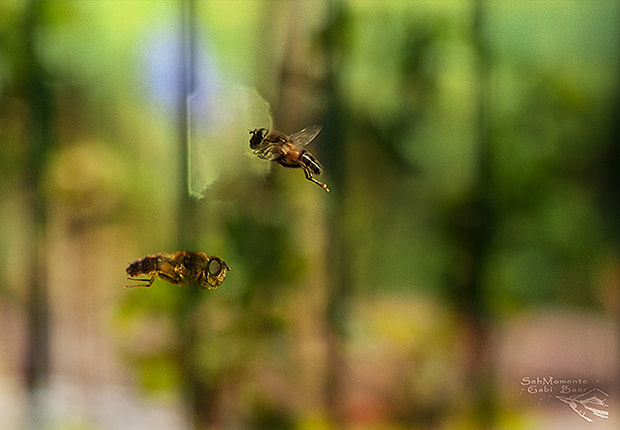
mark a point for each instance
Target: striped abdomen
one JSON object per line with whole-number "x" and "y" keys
{"x": 143, "y": 266}
{"x": 310, "y": 162}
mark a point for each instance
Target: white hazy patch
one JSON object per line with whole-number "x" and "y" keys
{"x": 219, "y": 121}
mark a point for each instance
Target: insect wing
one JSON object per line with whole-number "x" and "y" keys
{"x": 305, "y": 136}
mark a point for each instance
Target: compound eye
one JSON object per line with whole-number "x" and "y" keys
{"x": 215, "y": 267}
{"x": 256, "y": 139}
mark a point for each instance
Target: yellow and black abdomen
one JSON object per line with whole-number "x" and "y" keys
{"x": 310, "y": 162}
{"x": 143, "y": 266}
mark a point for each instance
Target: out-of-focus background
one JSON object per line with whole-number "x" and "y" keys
{"x": 463, "y": 272}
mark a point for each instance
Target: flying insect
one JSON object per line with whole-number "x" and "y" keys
{"x": 288, "y": 150}
{"x": 183, "y": 268}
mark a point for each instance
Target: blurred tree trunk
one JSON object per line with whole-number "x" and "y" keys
{"x": 613, "y": 185}
{"x": 605, "y": 172}
{"x": 338, "y": 264}
{"x": 295, "y": 79}
{"x": 472, "y": 229}
{"x": 480, "y": 227}
{"x": 197, "y": 394}
{"x": 39, "y": 99}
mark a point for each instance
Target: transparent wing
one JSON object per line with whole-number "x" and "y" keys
{"x": 220, "y": 116}
{"x": 306, "y": 135}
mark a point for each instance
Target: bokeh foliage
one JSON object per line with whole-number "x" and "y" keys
{"x": 397, "y": 85}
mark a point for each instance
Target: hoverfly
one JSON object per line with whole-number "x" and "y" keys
{"x": 288, "y": 151}
{"x": 183, "y": 268}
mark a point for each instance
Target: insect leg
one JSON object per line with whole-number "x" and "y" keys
{"x": 172, "y": 280}
{"x": 209, "y": 286}
{"x": 312, "y": 179}
{"x": 146, "y": 282}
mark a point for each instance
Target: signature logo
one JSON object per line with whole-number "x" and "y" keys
{"x": 588, "y": 405}
{"x": 587, "y": 402}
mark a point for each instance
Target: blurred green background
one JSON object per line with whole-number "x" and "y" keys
{"x": 471, "y": 237}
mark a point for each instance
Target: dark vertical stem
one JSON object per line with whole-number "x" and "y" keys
{"x": 198, "y": 395}
{"x": 39, "y": 102}
{"x": 476, "y": 313}
{"x": 472, "y": 233}
{"x": 607, "y": 186}
{"x": 614, "y": 184}
{"x": 338, "y": 250}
